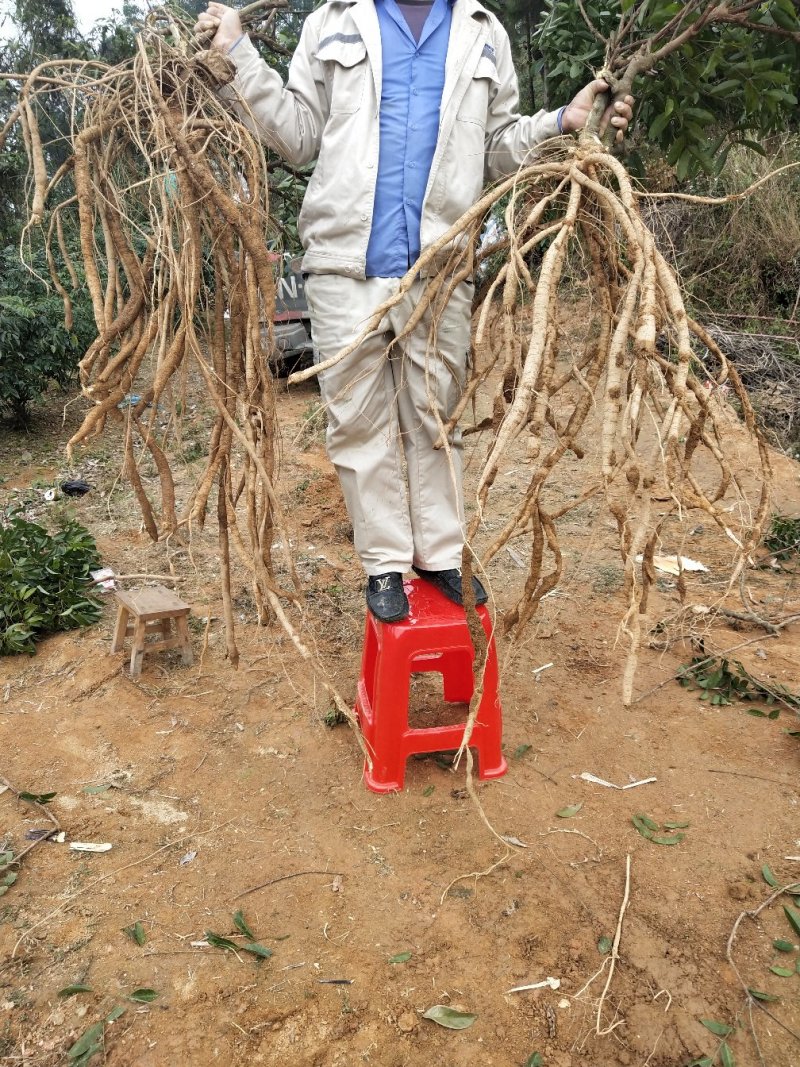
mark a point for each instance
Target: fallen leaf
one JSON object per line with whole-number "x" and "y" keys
{"x": 37, "y": 798}
{"x": 241, "y": 925}
{"x": 136, "y": 933}
{"x": 401, "y": 957}
{"x": 450, "y": 1018}
{"x": 567, "y": 813}
{"x": 720, "y": 1029}
{"x": 143, "y": 996}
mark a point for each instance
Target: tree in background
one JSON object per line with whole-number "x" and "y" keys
{"x": 37, "y": 346}
{"x": 728, "y": 76}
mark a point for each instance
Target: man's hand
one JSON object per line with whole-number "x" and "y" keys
{"x": 224, "y": 22}
{"x": 577, "y": 112}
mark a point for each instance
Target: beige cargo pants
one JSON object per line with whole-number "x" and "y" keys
{"x": 403, "y": 496}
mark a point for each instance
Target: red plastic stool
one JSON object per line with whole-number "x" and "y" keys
{"x": 434, "y": 637}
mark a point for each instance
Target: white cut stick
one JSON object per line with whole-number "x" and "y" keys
{"x": 548, "y": 983}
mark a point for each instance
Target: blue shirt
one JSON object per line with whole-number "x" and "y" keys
{"x": 411, "y": 96}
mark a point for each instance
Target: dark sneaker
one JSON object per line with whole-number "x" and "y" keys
{"x": 386, "y": 598}
{"x": 449, "y": 583}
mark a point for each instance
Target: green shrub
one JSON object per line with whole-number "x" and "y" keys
{"x": 44, "y": 582}
{"x": 35, "y": 347}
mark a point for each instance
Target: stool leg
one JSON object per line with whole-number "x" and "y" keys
{"x": 120, "y": 629}
{"x": 137, "y": 652}
{"x": 390, "y": 721}
{"x": 182, "y": 626}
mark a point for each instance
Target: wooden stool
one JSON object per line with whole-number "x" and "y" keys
{"x": 152, "y": 610}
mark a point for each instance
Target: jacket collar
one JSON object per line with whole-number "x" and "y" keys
{"x": 471, "y": 7}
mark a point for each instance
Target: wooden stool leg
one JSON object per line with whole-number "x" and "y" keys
{"x": 137, "y": 652}
{"x": 182, "y": 626}
{"x": 120, "y": 629}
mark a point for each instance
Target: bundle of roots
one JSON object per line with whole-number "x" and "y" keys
{"x": 171, "y": 195}
{"x": 662, "y": 418}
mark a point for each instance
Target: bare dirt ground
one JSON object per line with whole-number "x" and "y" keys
{"x": 221, "y": 781}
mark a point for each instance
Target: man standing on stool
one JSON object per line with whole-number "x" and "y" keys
{"x": 407, "y": 105}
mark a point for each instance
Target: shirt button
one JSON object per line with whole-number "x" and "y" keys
{"x": 415, "y": 92}
{"x": 365, "y": 218}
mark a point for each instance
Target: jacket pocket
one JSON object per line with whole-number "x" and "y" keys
{"x": 344, "y": 58}
{"x": 480, "y": 90}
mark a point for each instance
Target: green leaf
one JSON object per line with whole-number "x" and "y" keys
{"x": 89, "y": 1039}
{"x": 136, "y": 933}
{"x": 221, "y": 942}
{"x": 534, "y": 1061}
{"x": 401, "y": 957}
{"x": 667, "y": 839}
{"x": 793, "y": 917}
{"x": 241, "y": 925}
{"x": 143, "y": 996}
{"x": 520, "y": 751}
{"x": 783, "y": 972}
{"x": 784, "y": 946}
{"x": 643, "y": 830}
{"x": 256, "y": 950}
{"x": 678, "y": 825}
{"x": 567, "y": 813}
{"x": 645, "y": 820}
{"x": 115, "y": 1013}
{"x": 92, "y": 789}
{"x": 762, "y": 996}
{"x": 604, "y": 945}
{"x": 769, "y": 877}
{"x": 720, "y": 1029}
{"x": 428, "y": 790}
{"x": 73, "y": 990}
{"x": 449, "y": 1017}
{"x": 726, "y": 1056}
{"x": 37, "y": 798}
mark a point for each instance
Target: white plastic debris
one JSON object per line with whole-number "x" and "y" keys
{"x": 548, "y": 983}
{"x": 509, "y": 840}
{"x": 104, "y": 579}
{"x": 90, "y": 846}
{"x": 675, "y": 564}
{"x": 587, "y": 777}
{"x": 187, "y": 858}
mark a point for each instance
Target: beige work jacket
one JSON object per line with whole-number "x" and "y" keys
{"x": 329, "y": 111}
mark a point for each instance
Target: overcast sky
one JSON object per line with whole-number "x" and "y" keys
{"x": 86, "y": 11}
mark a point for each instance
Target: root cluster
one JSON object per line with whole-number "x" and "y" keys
{"x": 170, "y": 191}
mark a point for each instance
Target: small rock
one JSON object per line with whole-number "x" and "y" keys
{"x": 407, "y": 1023}
{"x": 26, "y": 457}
